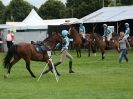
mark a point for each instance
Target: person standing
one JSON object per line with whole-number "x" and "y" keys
{"x": 9, "y": 39}
{"x": 122, "y": 47}
{"x": 82, "y": 30}
{"x": 127, "y": 31}
{"x": 64, "y": 51}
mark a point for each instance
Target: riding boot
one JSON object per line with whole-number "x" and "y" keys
{"x": 57, "y": 63}
{"x": 70, "y": 67}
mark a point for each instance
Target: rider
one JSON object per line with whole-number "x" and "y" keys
{"x": 127, "y": 31}
{"x": 107, "y": 32}
{"x": 82, "y": 30}
{"x": 64, "y": 51}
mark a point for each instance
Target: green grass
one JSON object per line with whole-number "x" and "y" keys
{"x": 94, "y": 79}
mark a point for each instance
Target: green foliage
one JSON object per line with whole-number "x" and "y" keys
{"x": 52, "y": 9}
{"x": 2, "y": 9}
{"x": 17, "y": 10}
{"x": 84, "y": 7}
{"x": 126, "y": 2}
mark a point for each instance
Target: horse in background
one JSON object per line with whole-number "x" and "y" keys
{"x": 103, "y": 44}
{"x": 130, "y": 40}
{"x": 77, "y": 40}
{"x": 90, "y": 44}
{"x": 27, "y": 52}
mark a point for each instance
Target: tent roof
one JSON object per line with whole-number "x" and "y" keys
{"x": 61, "y": 21}
{"x": 4, "y": 26}
{"x": 32, "y": 21}
{"x": 109, "y": 14}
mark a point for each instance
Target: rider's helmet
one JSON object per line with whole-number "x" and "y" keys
{"x": 64, "y": 33}
{"x": 104, "y": 25}
{"x": 126, "y": 24}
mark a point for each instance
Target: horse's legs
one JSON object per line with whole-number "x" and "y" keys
{"x": 28, "y": 67}
{"x": 15, "y": 60}
{"x": 77, "y": 52}
{"x": 88, "y": 51}
{"x": 80, "y": 52}
{"x": 51, "y": 68}
{"x": 103, "y": 57}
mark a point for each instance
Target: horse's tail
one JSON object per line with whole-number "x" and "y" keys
{"x": 10, "y": 54}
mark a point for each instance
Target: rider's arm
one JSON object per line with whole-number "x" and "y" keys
{"x": 84, "y": 30}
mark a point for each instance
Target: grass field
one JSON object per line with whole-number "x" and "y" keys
{"x": 94, "y": 79}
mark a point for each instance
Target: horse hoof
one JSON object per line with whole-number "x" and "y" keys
{"x": 5, "y": 76}
{"x": 58, "y": 74}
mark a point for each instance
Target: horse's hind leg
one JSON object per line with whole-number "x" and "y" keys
{"x": 77, "y": 53}
{"x": 80, "y": 52}
{"x": 28, "y": 67}
{"x": 15, "y": 60}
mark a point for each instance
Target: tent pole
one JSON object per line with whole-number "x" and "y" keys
{"x": 117, "y": 27}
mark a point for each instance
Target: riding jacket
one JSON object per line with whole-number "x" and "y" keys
{"x": 107, "y": 31}
{"x": 65, "y": 45}
{"x": 82, "y": 29}
{"x": 127, "y": 31}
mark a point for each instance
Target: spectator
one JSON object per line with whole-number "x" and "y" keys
{"x": 9, "y": 39}
{"x": 122, "y": 47}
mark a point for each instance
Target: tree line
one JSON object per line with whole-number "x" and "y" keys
{"x": 17, "y": 10}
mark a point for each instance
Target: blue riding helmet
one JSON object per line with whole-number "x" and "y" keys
{"x": 64, "y": 33}
{"x": 81, "y": 24}
{"x": 104, "y": 25}
{"x": 126, "y": 24}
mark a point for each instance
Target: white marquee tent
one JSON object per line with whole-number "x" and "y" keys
{"x": 32, "y": 21}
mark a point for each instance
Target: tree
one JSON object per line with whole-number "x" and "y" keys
{"x": 52, "y": 9}
{"x": 84, "y": 7}
{"x": 17, "y": 10}
{"x": 2, "y": 9}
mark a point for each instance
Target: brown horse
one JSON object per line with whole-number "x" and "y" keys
{"x": 113, "y": 43}
{"x": 101, "y": 44}
{"x": 77, "y": 40}
{"x": 90, "y": 43}
{"x": 130, "y": 40}
{"x": 27, "y": 52}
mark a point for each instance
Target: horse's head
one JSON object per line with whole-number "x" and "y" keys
{"x": 52, "y": 40}
{"x": 72, "y": 30}
{"x": 57, "y": 37}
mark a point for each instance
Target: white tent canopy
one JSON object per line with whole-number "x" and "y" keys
{"x": 32, "y": 21}
{"x": 109, "y": 14}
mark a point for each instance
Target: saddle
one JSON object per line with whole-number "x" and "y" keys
{"x": 39, "y": 46}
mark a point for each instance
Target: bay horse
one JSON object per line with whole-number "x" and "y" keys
{"x": 130, "y": 40}
{"x": 27, "y": 52}
{"x": 103, "y": 45}
{"x": 90, "y": 43}
{"x": 77, "y": 40}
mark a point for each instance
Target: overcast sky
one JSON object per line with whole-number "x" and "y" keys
{"x": 36, "y": 3}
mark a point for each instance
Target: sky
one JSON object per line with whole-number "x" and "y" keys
{"x": 36, "y": 3}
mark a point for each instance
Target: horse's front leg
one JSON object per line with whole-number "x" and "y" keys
{"x": 51, "y": 68}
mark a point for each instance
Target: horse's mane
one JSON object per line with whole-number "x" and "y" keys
{"x": 49, "y": 37}
{"x": 74, "y": 30}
